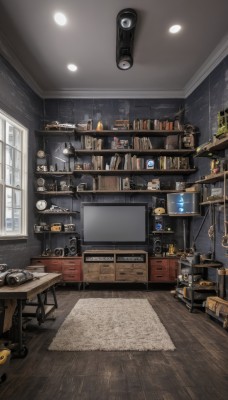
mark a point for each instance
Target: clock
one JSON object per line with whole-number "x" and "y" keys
{"x": 41, "y": 205}
{"x": 41, "y": 154}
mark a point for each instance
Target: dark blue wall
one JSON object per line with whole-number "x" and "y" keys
{"x": 108, "y": 110}
{"x": 19, "y": 101}
{"x": 201, "y": 109}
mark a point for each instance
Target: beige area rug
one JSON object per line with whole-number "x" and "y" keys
{"x": 112, "y": 325}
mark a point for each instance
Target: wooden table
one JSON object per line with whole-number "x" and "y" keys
{"x": 26, "y": 293}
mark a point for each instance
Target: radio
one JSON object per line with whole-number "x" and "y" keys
{"x": 56, "y": 227}
{"x": 38, "y": 228}
{"x": 69, "y": 227}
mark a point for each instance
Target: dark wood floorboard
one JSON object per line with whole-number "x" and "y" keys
{"x": 196, "y": 370}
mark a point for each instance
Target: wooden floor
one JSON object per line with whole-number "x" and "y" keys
{"x": 196, "y": 370}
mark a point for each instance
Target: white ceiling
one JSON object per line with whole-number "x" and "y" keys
{"x": 164, "y": 64}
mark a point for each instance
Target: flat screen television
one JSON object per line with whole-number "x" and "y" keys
{"x": 114, "y": 223}
{"x": 184, "y": 203}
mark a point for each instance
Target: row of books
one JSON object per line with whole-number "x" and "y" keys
{"x": 142, "y": 143}
{"x": 91, "y": 143}
{"x": 129, "y": 162}
{"x": 167, "y": 162}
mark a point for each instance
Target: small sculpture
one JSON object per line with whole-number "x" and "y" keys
{"x": 99, "y": 126}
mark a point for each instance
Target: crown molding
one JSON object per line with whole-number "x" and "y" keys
{"x": 113, "y": 94}
{"x": 214, "y": 59}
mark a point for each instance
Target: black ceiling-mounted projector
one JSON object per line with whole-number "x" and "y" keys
{"x": 126, "y": 23}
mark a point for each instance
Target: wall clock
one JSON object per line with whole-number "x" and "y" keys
{"x": 41, "y": 205}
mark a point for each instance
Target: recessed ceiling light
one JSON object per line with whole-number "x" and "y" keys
{"x": 175, "y": 29}
{"x": 72, "y": 67}
{"x": 60, "y": 18}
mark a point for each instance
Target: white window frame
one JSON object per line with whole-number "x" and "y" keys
{"x": 23, "y": 232}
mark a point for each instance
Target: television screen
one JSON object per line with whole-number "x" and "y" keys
{"x": 185, "y": 203}
{"x": 114, "y": 223}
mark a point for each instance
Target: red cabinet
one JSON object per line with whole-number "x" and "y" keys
{"x": 162, "y": 269}
{"x": 70, "y": 268}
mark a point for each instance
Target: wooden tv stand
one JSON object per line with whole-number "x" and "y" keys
{"x": 115, "y": 266}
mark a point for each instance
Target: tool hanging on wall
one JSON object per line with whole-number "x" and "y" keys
{"x": 211, "y": 230}
{"x": 225, "y": 236}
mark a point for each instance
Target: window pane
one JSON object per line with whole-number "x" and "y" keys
{"x": 17, "y": 159}
{"x": 9, "y": 220}
{"x": 17, "y": 135}
{"x": 9, "y": 155}
{"x": 9, "y": 134}
{"x": 17, "y": 220}
{"x": 9, "y": 175}
{"x": 17, "y": 179}
{"x": 17, "y": 198}
{"x": 9, "y": 198}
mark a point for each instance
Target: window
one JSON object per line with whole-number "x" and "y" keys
{"x": 13, "y": 178}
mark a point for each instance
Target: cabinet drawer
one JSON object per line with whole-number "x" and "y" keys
{"x": 72, "y": 267}
{"x": 54, "y": 268}
{"x": 91, "y": 268}
{"x": 107, "y": 269}
{"x": 51, "y": 265}
{"x": 131, "y": 274}
{"x": 107, "y": 277}
{"x": 91, "y": 277}
{"x": 78, "y": 263}
{"x": 158, "y": 262}
{"x": 72, "y": 276}
{"x": 159, "y": 277}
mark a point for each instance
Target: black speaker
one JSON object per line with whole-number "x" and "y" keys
{"x": 157, "y": 246}
{"x": 73, "y": 247}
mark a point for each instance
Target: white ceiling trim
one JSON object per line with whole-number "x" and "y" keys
{"x": 114, "y": 94}
{"x": 217, "y": 55}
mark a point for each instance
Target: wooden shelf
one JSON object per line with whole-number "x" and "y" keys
{"x": 137, "y": 172}
{"x": 209, "y": 265}
{"x": 144, "y": 191}
{"x": 57, "y": 173}
{"x": 218, "y": 201}
{"x": 221, "y": 144}
{"x": 129, "y": 132}
{"x": 56, "y": 193}
{"x": 212, "y": 178}
{"x": 174, "y": 152}
{"x": 56, "y": 233}
{"x": 58, "y": 212}
{"x": 55, "y": 132}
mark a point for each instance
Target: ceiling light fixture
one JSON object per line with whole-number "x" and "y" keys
{"x": 126, "y": 22}
{"x": 175, "y": 28}
{"x": 72, "y": 67}
{"x": 60, "y": 19}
